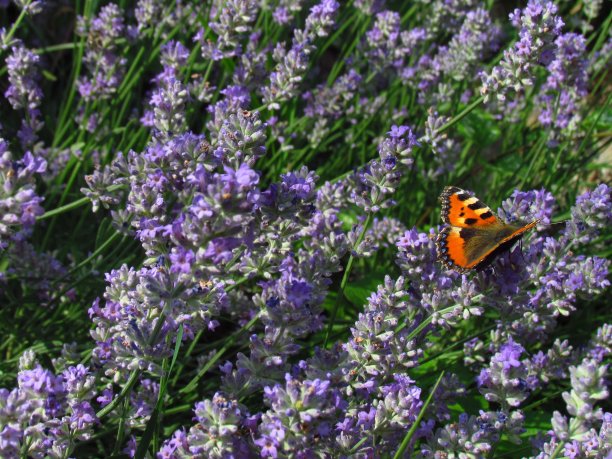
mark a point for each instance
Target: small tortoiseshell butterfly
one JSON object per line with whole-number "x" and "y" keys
{"x": 474, "y": 234}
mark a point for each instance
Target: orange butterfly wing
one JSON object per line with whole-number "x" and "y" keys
{"x": 473, "y": 233}
{"x": 460, "y": 208}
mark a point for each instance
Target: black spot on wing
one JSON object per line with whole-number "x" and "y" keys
{"x": 463, "y": 196}
{"x": 486, "y": 215}
{"x": 477, "y": 205}
{"x": 470, "y": 221}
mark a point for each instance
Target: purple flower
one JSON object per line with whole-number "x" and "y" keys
{"x": 281, "y": 15}
{"x": 529, "y": 206}
{"x": 182, "y": 260}
{"x": 473, "y": 435}
{"x": 174, "y": 54}
{"x": 299, "y": 185}
{"x": 434, "y": 75}
{"x": 309, "y": 403}
{"x": 45, "y": 409}
{"x": 220, "y": 250}
{"x": 268, "y": 446}
{"x": 572, "y": 450}
{"x": 83, "y": 416}
{"x": 509, "y": 354}
{"x": 168, "y": 105}
{"x": 217, "y": 432}
{"x": 382, "y": 41}
{"x": 240, "y": 138}
{"x": 245, "y": 176}
{"x": 505, "y": 381}
{"x": 24, "y": 91}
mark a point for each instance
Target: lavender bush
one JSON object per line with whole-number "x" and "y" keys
{"x": 218, "y": 224}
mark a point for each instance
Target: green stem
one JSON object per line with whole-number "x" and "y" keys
{"x": 601, "y": 37}
{"x": 449, "y": 348}
{"x": 121, "y": 428}
{"x": 194, "y": 342}
{"x": 59, "y": 47}
{"x": 16, "y": 24}
{"x": 97, "y": 252}
{"x": 543, "y": 400}
{"x": 556, "y": 451}
{"x": 67, "y": 103}
{"x": 534, "y": 157}
{"x": 65, "y": 208}
{"x": 179, "y": 409}
{"x": 345, "y": 277}
{"x": 125, "y": 391}
{"x": 73, "y": 205}
{"x": 358, "y": 444}
{"x": 415, "y": 425}
{"x": 153, "y": 424}
{"x": 71, "y": 181}
{"x": 466, "y": 111}
{"x": 592, "y": 127}
{"x": 425, "y": 323}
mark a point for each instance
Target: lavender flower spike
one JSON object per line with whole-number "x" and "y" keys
{"x": 539, "y": 27}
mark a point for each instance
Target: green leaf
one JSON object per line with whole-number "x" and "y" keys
{"x": 358, "y": 292}
{"x": 48, "y": 75}
{"x": 103, "y": 232}
{"x": 481, "y": 128}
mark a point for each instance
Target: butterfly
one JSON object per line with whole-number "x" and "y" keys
{"x": 474, "y": 235}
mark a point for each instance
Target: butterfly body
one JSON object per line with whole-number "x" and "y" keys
{"x": 473, "y": 235}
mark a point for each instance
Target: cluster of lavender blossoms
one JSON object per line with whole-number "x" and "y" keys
{"x": 103, "y": 60}
{"x": 588, "y": 431}
{"x": 566, "y": 86}
{"x": 539, "y": 26}
{"x": 166, "y": 112}
{"x": 230, "y": 23}
{"x": 46, "y": 414}
{"x": 19, "y": 202}
{"x": 25, "y": 93}
{"x": 293, "y": 63}
{"x": 239, "y": 326}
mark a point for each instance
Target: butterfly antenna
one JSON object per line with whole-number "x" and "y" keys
{"x": 554, "y": 228}
{"x": 560, "y": 222}
{"x": 521, "y": 251}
